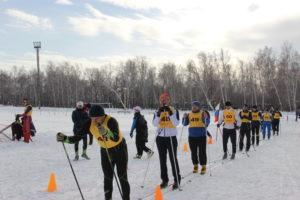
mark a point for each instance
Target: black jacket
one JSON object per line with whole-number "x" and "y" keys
{"x": 79, "y": 116}
{"x": 141, "y": 127}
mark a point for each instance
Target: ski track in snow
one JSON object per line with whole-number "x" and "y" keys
{"x": 271, "y": 172}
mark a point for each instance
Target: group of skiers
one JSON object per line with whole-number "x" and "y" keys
{"x": 248, "y": 121}
{"x": 105, "y": 129}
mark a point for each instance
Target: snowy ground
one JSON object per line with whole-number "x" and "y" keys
{"x": 271, "y": 172}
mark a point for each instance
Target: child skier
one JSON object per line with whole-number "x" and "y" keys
{"x": 198, "y": 121}
{"x": 105, "y": 130}
{"x": 231, "y": 122}
{"x": 276, "y": 115}
{"x": 166, "y": 119}
{"x": 245, "y": 129}
{"x": 255, "y": 124}
{"x": 79, "y": 116}
{"x": 140, "y": 125}
{"x": 266, "y": 123}
{"x": 16, "y": 129}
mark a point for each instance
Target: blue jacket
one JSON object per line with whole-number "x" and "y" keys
{"x": 197, "y": 131}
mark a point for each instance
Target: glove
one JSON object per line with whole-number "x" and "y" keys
{"x": 131, "y": 135}
{"x": 168, "y": 109}
{"x": 218, "y": 125}
{"x": 160, "y": 110}
{"x": 105, "y": 133}
{"x": 60, "y": 137}
{"x": 236, "y": 127}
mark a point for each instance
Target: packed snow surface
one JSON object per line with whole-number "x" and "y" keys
{"x": 271, "y": 172}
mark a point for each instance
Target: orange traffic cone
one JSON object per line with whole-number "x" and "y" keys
{"x": 209, "y": 140}
{"x": 186, "y": 147}
{"x": 52, "y": 183}
{"x": 158, "y": 194}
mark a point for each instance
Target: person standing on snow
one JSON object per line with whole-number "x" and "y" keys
{"x": 276, "y": 115}
{"x": 266, "y": 123}
{"x": 79, "y": 116}
{"x": 245, "y": 130}
{"x": 255, "y": 124}
{"x": 231, "y": 122}
{"x": 26, "y": 120}
{"x": 105, "y": 130}
{"x": 198, "y": 120}
{"x": 166, "y": 118}
{"x": 140, "y": 125}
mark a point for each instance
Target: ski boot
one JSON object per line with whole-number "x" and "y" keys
{"x": 163, "y": 185}
{"x": 203, "y": 170}
{"x": 137, "y": 156}
{"x": 76, "y": 157}
{"x": 232, "y": 156}
{"x": 195, "y": 169}
{"x": 84, "y": 155}
{"x": 150, "y": 154}
{"x": 225, "y": 156}
{"x": 175, "y": 186}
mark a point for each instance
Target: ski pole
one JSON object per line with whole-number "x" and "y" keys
{"x": 73, "y": 170}
{"x": 112, "y": 168}
{"x": 209, "y": 158}
{"x": 147, "y": 169}
{"x": 217, "y": 134}
{"x": 181, "y": 133}
{"x": 174, "y": 162}
{"x": 6, "y": 136}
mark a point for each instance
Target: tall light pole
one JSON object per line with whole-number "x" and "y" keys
{"x": 37, "y": 46}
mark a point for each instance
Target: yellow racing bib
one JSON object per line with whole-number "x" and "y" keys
{"x": 255, "y": 116}
{"x": 165, "y": 121}
{"x": 104, "y": 142}
{"x": 267, "y": 117}
{"x": 196, "y": 120}
{"x": 229, "y": 116}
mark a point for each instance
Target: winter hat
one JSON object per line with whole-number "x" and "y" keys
{"x": 79, "y": 104}
{"x": 137, "y": 109}
{"x": 196, "y": 103}
{"x": 164, "y": 98}
{"x": 96, "y": 111}
{"x": 227, "y": 103}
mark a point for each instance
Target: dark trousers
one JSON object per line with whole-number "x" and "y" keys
{"x": 119, "y": 158}
{"x": 275, "y": 126}
{"x": 198, "y": 150}
{"x": 229, "y": 133}
{"x": 255, "y": 132}
{"x": 84, "y": 140}
{"x": 164, "y": 146}
{"x": 245, "y": 131}
{"x": 141, "y": 147}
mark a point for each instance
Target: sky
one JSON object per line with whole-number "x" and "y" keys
{"x": 90, "y": 33}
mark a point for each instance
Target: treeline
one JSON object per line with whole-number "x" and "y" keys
{"x": 266, "y": 79}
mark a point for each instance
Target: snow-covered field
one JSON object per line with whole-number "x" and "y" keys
{"x": 271, "y": 172}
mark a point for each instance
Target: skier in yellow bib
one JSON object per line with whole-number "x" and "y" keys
{"x": 105, "y": 130}
{"x": 276, "y": 115}
{"x": 231, "y": 123}
{"x": 245, "y": 130}
{"x": 166, "y": 119}
{"x": 255, "y": 124}
{"x": 266, "y": 123}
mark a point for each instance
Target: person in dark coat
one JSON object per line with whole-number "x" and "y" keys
{"x": 17, "y": 129}
{"x": 140, "y": 125}
{"x": 79, "y": 116}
